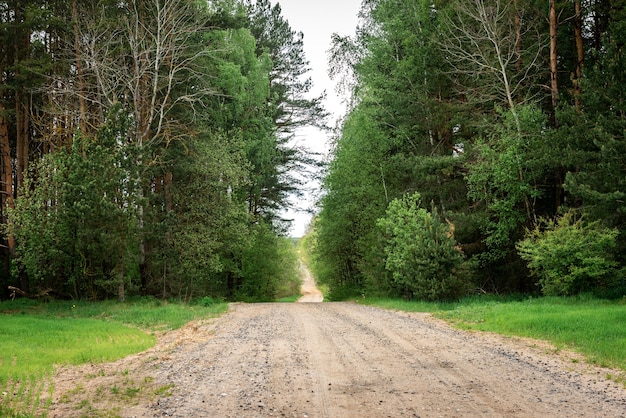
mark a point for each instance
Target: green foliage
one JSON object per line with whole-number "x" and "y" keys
{"x": 289, "y": 279}
{"x": 325, "y": 271}
{"x": 268, "y": 267}
{"x": 284, "y": 107}
{"x": 288, "y": 106}
{"x": 177, "y": 192}
{"x": 600, "y": 178}
{"x": 504, "y": 174}
{"x": 447, "y": 103}
{"x": 421, "y": 254}
{"x": 74, "y": 219}
{"x": 202, "y": 224}
{"x": 601, "y": 181}
{"x": 401, "y": 135}
{"x": 164, "y": 195}
{"x": 571, "y": 256}
{"x": 359, "y": 183}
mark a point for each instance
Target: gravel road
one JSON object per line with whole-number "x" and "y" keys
{"x": 340, "y": 360}
{"x": 347, "y": 360}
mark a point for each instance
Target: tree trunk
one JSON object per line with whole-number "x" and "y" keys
{"x": 7, "y": 177}
{"x": 22, "y": 120}
{"x": 22, "y": 125}
{"x": 142, "y": 109}
{"x": 121, "y": 293}
{"x": 167, "y": 192}
{"x": 6, "y": 199}
{"x": 580, "y": 53}
{"x": 82, "y": 118}
{"x": 554, "y": 86}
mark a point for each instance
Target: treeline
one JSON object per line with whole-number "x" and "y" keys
{"x": 484, "y": 150}
{"x": 143, "y": 147}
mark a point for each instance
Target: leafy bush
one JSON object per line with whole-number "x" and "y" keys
{"x": 570, "y": 256}
{"x": 74, "y": 220}
{"x": 421, "y": 253}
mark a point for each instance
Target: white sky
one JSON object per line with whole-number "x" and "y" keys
{"x": 318, "y": 20}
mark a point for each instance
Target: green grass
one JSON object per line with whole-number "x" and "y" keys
{"x": 289, "y": 299}
{"x": 593, "y": 327}
{"x": 146, "y": 313}
{"x": 36, "y": 337}
{"x": 33, "y": 345}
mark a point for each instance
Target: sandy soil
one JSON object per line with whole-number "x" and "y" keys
{"x": 337, "y": 360}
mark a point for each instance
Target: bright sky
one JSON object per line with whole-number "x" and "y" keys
{"x": 318, "y": 20}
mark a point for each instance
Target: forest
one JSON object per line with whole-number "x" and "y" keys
{"x": 144, "y": 148}
{"x": 484, "y": 151}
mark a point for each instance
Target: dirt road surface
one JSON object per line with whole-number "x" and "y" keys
{"x": 309, "y": 290}
{"x": 337, "y": 360}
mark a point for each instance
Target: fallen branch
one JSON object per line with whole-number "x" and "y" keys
{"x": 16, "y": 291}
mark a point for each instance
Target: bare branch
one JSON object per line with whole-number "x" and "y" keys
{"x": 481, "y": 40}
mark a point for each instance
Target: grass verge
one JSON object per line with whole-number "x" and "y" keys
{"x": 593, "y": 327}
{"x": 37, "y": 337}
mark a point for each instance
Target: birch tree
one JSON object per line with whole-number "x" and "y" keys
{"x": 149, "y": 56}
{"x": 482, "y": 41}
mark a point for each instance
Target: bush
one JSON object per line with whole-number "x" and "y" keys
{"x": 420, "y": 252}
{"x": 74, "y": 220}
{"x": 570, "y": 256}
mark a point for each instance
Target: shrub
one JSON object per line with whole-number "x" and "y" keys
{"x": 571, "y": 256}
{"x": 420, "y": 252}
